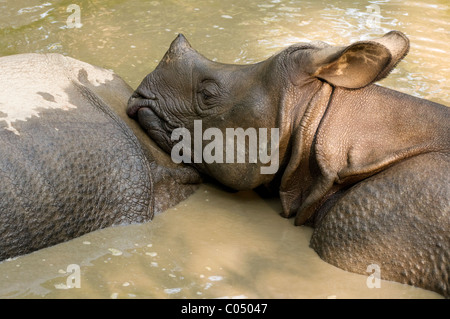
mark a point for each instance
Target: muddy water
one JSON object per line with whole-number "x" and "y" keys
{"x": 215, "y": 244}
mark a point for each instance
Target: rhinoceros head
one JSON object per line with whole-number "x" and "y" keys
{"x": 186, "y": 88}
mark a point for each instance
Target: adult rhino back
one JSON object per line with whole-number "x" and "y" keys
{"x": 68, "y": 163}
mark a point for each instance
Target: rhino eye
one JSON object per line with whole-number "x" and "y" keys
{"x": 208, "y": 94}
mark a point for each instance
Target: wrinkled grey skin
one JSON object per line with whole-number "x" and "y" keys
{"x": 69, "y": 163}
{"x": 365, "y": 165}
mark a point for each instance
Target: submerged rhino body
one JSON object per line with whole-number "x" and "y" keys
{"x": 71, "y": 161}
{"x": 365, "y": 165}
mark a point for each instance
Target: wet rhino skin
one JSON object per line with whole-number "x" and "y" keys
{"x": 71, "y": 165}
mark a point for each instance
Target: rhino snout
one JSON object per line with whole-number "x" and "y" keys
{"x": 139, "y": 100}
{"x": 155, "y": 127}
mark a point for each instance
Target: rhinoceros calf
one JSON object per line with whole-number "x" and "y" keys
{"x": 367, "y": 166}
{"x": 71, "y": 161}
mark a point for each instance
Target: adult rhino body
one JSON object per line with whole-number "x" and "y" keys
{"x": 367, "y": 166}
{"x": 71, "y": 161}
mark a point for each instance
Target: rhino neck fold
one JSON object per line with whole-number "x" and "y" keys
{"x": 305, "y": 119}
{"x": 300, "y": 123}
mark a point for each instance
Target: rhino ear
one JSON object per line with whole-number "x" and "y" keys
{"x": 360, "y": 63}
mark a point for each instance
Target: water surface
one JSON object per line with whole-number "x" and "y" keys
{"x": 213, "y": 245}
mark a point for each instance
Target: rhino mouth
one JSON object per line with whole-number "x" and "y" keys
{"x": 143, "y": 109}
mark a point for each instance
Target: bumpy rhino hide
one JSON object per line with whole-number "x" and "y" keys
{"x": 68, "y": 163}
